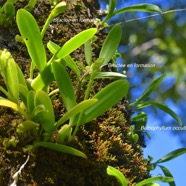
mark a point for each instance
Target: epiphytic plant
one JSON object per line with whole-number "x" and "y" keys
{"x": 33, "y": 100}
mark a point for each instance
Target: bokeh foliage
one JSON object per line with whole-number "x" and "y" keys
{"x": 159, "y": 40}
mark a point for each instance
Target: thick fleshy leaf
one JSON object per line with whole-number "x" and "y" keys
{"x": 12, "y": 80}
{"x": 111, "y": 44}
{"x": 21, "y": 77}
{"x": 76, "y": 42}
{"x": 58, "y": 9}
{"x": 154, "y": 84}
{"x": 43, "y": 79}
{"x": 53, "y": 47}
{"x": 172, "y": 155}
{"x": 65, "y": 85}
{"x": 6, "y": 103}
{"x": 30, "y": 32}
{"x": 162, "y": 107}
{"x": 110, "y": 75}
{"x": 8, "y": 71}
{"x": 116, "y": 173}
{"x": 23, "y": 92}
{"x": 46, "y": 118}
{"x": 61, "y": 148}
{"x": 74, "y": 111}
{"x": 30, "y": 101}
{"x": 72, "y": 65}
{"x": 111, "y": 8}
{"x": 168, "y": 174}
{"x": 88, "y": 52}
{"x": 139, "y": 7}
{"x": 156, "y": 178}
{"x": 139, "y": 117}
{"x": 107, "y": 98}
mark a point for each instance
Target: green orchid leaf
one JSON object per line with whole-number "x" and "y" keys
{"x": 167, "y": 173}
{"x": 20, "y": 75}
{"x": 110, "y": 75}
{"x": 6, "y": 103}
{"x": 107, "y": 98}
{"x": 27, "y": 126}
{"x": 4, "y": 91}
{"x": 139, "y": 8}
{"x": 30, "y": 101}
{"x": 64, "y": 134}
{"x": 76, "y": 42}
{"x": 23, "y": 92}
{"x": 53, "y": 47}
{"x": 172, "y": 155}
{"x": 139, "y": 117}
{"x": 162, "y": 107}
{"x": 74, "y": 111}
{"x": 38, "y": 109}
{"x": 46, "y": 118}
{"x": 73, "y": 66}
{"x": 30, "y": 32}
{"x": 154, "y": 84}
{"x": 12, "y": 80}
{"x": 156, "y": 178}
{"x": 8, "y": 71}
{"x": 43, "y": 79}
{"x": 111, "y": 44}
{"x": 58, "y": 9}
{"x": 61, "y": 148}
{"x": 111, "y": 8}
{"x": 116, "y": 173}
{"x": 88, "y": 52}
{"x": 65, "y": 85}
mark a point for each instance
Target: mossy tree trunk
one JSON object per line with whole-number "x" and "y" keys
{"x": 104, "y": 140}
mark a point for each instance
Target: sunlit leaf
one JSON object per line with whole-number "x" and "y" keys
{"x": 43, "y": 79}
{"x": 154, "y": 84}
{"x": 30, "y": 101}
{"x": 110, "y": 75}
{"x": 53, "y": 47}
{"x": 139, "y": 7}
{"x": 21, "y": 77}
{"x": 111, "y": 44}
{"x": 107, "y": 98}
{"x": 8, "y": 71}
{"x": 168, "y": 174}
{"x": 116, "y": 173}
{"x": 30, "y": 32}
{"x": 88, "y": 52}
{"x": 172, "y": 155}
{"x": 46, "y": 117}
{"x": 6, "y": 103}
{"x": 75, "y": 110}
{"x": 153, "y": 179}
{"x": 76, "y": 42}
{"x": 72, "y": 65}
{"x": 65, "y": 85}
{"x": 61, "y": 148}
{"x": 58, "y": 9}
{"x": 139, "y": 117}
{"x": 162, "y": 107}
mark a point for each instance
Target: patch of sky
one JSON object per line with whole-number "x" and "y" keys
{"x": 167, "y": 83}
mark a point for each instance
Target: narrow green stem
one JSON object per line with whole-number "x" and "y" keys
{"x": 47, "y": 23}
